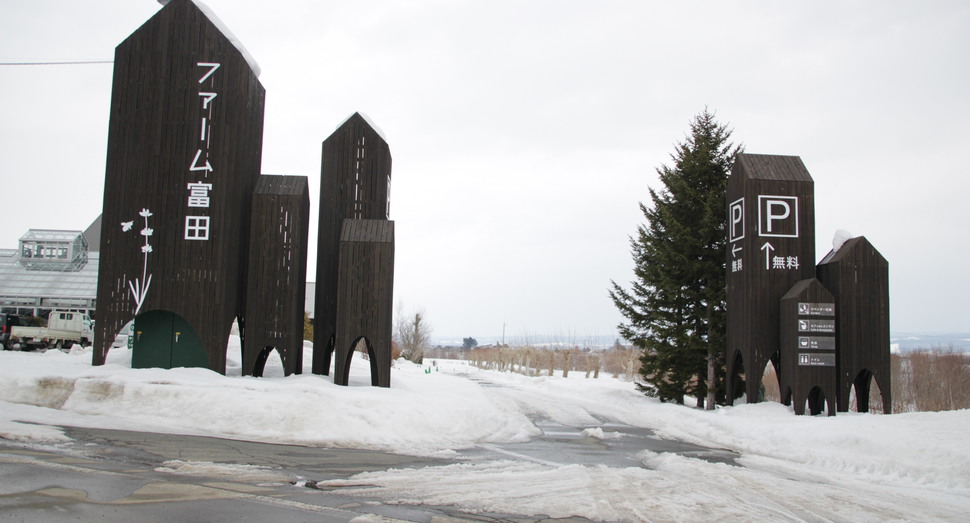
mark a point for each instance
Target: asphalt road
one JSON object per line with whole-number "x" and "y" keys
{"x": 112, "y": 475}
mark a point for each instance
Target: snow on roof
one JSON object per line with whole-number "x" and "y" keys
{"x": 838, "y": 240}
{"x": 378, "y": 130}
{"x": 224, "y": 29}
{"x": 841, "y": 236}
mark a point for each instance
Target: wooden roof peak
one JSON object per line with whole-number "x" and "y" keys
{"x": 186, "y": 12}
{"x": 359, "y": 118}
{"x": 858, "y": 247}
{"x": 802, "y": 286}
{"x": 281, "y": 184}
{"x": 771, "y": 167}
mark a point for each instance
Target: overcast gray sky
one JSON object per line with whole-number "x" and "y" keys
{"x": 525, "y": 133}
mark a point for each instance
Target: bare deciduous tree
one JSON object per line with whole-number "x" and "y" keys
{"x": 931, "y": 380}
{"x": 413, "y": 336}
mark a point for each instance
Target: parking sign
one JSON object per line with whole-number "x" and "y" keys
{"x": 778, "y": 216}
{"x": 736, "y": 218}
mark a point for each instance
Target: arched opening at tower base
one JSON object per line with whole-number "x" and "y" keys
{"x": 770, "y": 388}
{"x": 866, "y": 395}
{"x": 815, "y": 403}
{"x": 269, "y": 363}
{"x": 738, "y": 394}
{"x": 363, "y": 346}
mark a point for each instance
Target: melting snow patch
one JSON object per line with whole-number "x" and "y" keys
{"x": 222, "y": 470}
{"x": 31, "y": 433}
{"x": 599, "y": 433}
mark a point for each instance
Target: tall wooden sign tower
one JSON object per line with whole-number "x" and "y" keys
{"x": 184, "y": 147}
{"x": 771, "y": 245}
{"x": 824, "y": 335}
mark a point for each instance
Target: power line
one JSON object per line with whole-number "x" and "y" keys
{"x": 78, "y": 62}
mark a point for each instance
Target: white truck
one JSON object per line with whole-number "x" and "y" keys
{"x": 64, "y": 329}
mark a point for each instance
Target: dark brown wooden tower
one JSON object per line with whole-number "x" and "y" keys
{"x": 365, "y": 297}
{"x": 355, "y": 184}
{"x": 808, "y": 348}
{"x": 771, "y": 245}
{"x": 858, "y": 277}
{"x": 277, "y": 274}
{"x": 184, "y": 148}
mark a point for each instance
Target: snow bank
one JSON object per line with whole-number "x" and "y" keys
{"x": 926, "y": 448}
{"x": 668, "y": 488}
{"x": 30, "y": 432}
{"x": 852, "y": 467}
{"x": 848, "y": 467}
{"x": 421, "y": 414}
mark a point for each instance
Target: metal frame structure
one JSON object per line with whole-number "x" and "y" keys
{"x": 53, "y": 250}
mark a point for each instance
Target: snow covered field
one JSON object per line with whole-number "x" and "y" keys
{"x": 851, "y": 467}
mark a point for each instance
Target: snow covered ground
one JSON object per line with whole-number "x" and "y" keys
{"x": 851, "y": 467}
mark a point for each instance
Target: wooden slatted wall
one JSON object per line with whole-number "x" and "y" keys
{"x": 858, "y": 276}
{"x": 277, "y": 273}
{"x": 754, "y": 287}
{"x": 797, "y": 379}
{"x": 365, "y": 297}
{"x": 354, "y": 184}
{"x": 162, "y": 125}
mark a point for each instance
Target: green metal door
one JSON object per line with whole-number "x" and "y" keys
{"x": 187, "y": 349}
{"x": 152, "y": 347}
{"x": 165, "y": 340}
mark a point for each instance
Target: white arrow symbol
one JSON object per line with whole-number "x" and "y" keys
{"x": 767, "y": 248}
{"x": 734, "y": 250}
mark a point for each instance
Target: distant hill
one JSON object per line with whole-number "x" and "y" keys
{"x": 910, "y": 341}
{"x": 595, "y": 341}
{"x": 900, "y": 341}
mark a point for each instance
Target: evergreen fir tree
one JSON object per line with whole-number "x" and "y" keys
{"x": 675, "y": 309}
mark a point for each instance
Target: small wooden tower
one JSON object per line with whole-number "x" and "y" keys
{"x": 365, "y": 297}
{"x": 808, "y": 349}
{"x": 858, "y": 277}
{"x": 277, "y": 274}
{"x": 355, "y": 184}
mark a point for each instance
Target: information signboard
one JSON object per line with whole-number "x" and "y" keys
{"x": 816, "y": 342}
{"x": 816, "y": 309}
{"x": 820, "y": 359}
{"x": 816, "y": 326}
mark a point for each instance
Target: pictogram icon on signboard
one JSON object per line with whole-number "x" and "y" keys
{"x": 736, "y": 225}
{"x": 778, "y": 216}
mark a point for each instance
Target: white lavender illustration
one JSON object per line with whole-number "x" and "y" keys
{"x": 139, "y": 289}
